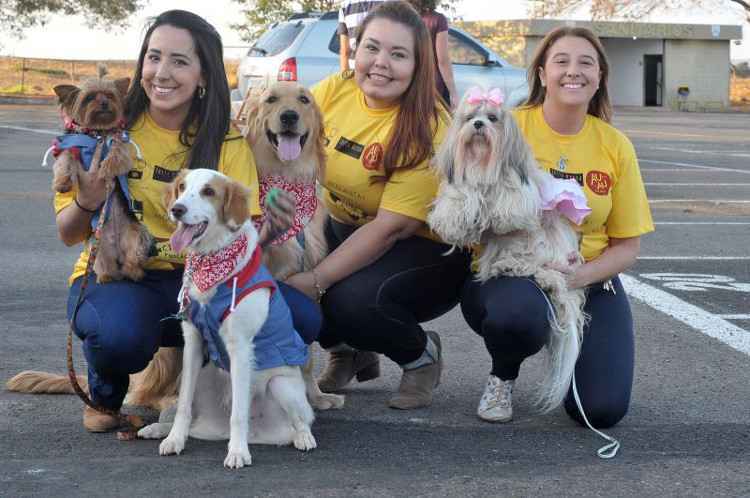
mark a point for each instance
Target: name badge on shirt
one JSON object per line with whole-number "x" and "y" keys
{"x": 163, "y": 174}
{"x": 349, "y": 147}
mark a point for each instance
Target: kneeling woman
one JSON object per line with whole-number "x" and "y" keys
{"x": 566, "y": 122}
{"x": 387, "y": 272}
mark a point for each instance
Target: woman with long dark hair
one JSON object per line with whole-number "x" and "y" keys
{"x": 177, "y": 111}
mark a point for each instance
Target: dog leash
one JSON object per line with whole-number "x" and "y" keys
{"x": 129, "y": 423}
{"x": 608, "y": 450}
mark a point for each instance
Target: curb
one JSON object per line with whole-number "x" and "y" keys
{"x": 26, "y": 100}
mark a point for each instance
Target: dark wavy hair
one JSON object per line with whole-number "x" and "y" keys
{"x": 600, "y": 105}
{"x": 424, "y": 6}
{"x": 415, "y": 126}
{"x": 207, "y": 123}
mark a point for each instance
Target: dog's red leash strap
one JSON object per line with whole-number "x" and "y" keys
{"x": 130, "y": 423}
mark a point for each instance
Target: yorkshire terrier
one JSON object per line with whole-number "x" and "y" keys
{"x": 494, "y": 193}
{"x": 94, "y": 122}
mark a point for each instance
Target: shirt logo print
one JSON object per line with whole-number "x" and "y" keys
{"x": 372, "y": 157}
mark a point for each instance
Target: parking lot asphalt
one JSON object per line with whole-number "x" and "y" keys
{"x": 686, "y": 434}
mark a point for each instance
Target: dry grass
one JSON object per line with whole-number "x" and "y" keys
{"x": 739, "y": 92}
{"x": 37, "y": 77}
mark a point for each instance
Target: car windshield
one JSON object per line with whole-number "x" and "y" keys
{"x": 276, "y": 39}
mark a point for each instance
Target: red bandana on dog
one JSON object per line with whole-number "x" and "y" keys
{"x": 207, "y": 270}
{"x": 304, "y": 197}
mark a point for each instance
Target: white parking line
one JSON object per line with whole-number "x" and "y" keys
{"x": 697, "y": 166}
{"x": 32, "y": 130}
{"x": 666, "y": 184}
{"x": 734, "y": 317}
{"x": 693, "y": 316}
{"x": 660, "y": 184}
{"x": 696, "y": 258}
{"x": 671, "y": 170}
{"x": 713, "y": 201}
{"x": 702, "y": 223}
{"x": 729, "y": 153}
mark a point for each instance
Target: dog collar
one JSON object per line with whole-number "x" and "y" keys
{"x": 306, "y": 202}
{"x": 207, "y": 270}
{"x": 71, "y": 126}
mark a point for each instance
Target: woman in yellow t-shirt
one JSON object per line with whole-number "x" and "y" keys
{"x": 566, "y": 122}
{"x": 177, "y": 111}
{"x": 386, "y": 272}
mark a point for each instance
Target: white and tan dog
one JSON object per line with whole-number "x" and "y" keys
{"x": 212, "y": 213}
{"x": 284, "y": 127}
{"x": 493, "y": 193}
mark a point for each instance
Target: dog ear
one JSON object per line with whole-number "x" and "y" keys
{"x": 514, "y": 150}
{"x": 66, "y": 94}
{"x": 249, "y": 115}
{"x": 122, "y": 85}
{"x": 172, "y": 190}
{"x": 236, "y": 210}
{"x": 320, "y": 137}
{"x": 444, "y": 161}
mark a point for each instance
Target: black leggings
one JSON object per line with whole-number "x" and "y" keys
{"x": 511, "y": 315}
{"x": 379, "y": 308}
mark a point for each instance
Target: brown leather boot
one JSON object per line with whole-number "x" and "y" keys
{"x": 95, "y": 421}
{"x": 415, "y": 390}
{"x": 343, "y": 366}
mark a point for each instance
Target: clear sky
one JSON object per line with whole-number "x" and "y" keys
{"x": 70, "y": 38}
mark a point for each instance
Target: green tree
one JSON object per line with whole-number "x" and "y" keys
{"x": 631, "y": 10}
{"x": 259, "y": 14}
{"x": 19, "y": 15}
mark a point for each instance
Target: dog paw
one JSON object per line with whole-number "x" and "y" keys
{"x": 154, "y": 431}
{"x": 172, "y": 445}
{"x": 328, "y": 401}
{"x": 238, "y": 458}
{"x": 304, "y": 441}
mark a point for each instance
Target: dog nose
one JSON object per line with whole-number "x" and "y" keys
{"x": 178, "y": 211}
{"x": 289, "y": 118}
{"x": 478, "y": 124}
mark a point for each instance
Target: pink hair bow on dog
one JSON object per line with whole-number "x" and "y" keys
{"x": 495, "y": 96}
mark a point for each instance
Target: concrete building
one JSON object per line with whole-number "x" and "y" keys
{"x": 683, "y": 66}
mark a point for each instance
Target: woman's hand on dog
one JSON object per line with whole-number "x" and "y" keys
{"x": 279, "y": 217}
{"x": 305, "y": 283}
{"x": 92, "y": 189}
{"x": 573, "y": 277}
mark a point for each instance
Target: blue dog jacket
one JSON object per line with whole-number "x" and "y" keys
{"x": 276, "y": 344}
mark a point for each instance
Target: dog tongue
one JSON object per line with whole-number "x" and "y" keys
{"x": 289, "y": 148}
{"x": 182, "y": 237}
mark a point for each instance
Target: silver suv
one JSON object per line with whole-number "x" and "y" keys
{"x": 305, "y": 48}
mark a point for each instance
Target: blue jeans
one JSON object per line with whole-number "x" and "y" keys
{"x": 123, "y": 323}
{"x": 510, "y": 314}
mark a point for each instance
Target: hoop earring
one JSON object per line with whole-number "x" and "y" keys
{"x": 201, "y": 92}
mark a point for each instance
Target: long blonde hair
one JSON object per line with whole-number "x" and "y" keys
{"x": 600, "y": 105}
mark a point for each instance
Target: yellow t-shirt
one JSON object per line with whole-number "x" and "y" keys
{"x": 603, "y": 161}
{"x": 357, "y": 137}
{"x": 163, "y": 157}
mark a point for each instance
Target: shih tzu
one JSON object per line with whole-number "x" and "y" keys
{"x": 493, "y": 193}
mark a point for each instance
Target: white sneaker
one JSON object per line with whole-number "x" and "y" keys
{"x": 496, "y": 404}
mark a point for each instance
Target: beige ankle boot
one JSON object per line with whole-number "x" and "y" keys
{"x": 343, "y": 366}
{"x": 95, "y": 421}
{"x": 415, "y": 390}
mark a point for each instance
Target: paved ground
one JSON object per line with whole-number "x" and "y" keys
{"x": 687, "y": 433}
